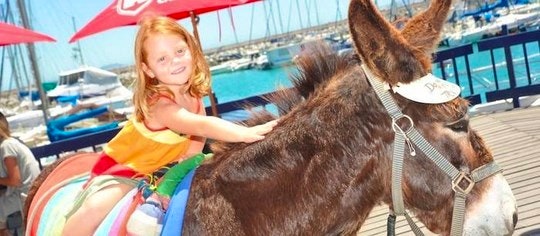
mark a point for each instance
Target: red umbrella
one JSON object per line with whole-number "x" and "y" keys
{"x": 11, "y": 34}
{"x": 122, "y": 12}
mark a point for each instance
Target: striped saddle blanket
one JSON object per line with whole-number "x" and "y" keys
{"x": 62, "y": 192}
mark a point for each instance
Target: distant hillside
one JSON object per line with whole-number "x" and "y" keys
{"x": 113, "y": 66}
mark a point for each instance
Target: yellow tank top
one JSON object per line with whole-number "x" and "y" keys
{"x": 145, "y": 150}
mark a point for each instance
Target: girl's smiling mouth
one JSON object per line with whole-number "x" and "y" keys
{"x": 179, "y": 70}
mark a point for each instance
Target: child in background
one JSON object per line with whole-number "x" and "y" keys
{"x": 169, "y": 123}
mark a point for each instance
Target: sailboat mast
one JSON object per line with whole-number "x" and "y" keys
{"x": 78, "y": 49}
{"x": 14, "y": 61}
{"x": 251, "y": 22}
{"x": 391, "y": 11}
{"x": 308, "y": 5}
{"x": 267, "y": 16}
{"x": 279, "y": 14}
{"x": 33, "y": 63}
{"x": 271, "y": 12}
{"x": 317, "y": 12}
{"x": 299, "y": 14}
{"x": 407, "y": 6}
{"x": 16, "y": 76}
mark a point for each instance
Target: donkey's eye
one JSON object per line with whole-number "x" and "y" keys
{"x": 462, "y": 125}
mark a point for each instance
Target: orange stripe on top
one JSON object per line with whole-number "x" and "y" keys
{"x": 144, "y": 150}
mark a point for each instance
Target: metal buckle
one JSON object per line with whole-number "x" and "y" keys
{"x": 397, "y": 128}
{"x": 462, "y": 177}
{"x": 398, "y": 131}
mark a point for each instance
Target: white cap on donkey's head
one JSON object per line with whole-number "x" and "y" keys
{"x": 428, "y": 89}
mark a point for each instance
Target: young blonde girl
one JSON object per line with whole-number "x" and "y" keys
{"x": 169, "y": 121}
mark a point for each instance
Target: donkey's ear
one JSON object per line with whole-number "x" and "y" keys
{"x": 423, "y": 31}
{"x": 382, "y": 47}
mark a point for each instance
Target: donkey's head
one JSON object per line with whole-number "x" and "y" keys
{"x": 397, "y": 58}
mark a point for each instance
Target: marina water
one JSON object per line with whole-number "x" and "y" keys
{"x": 237, "y": 85}
{"x": 241, "y": 84}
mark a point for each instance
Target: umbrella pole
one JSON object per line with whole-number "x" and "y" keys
{"x": 211, "y": 94}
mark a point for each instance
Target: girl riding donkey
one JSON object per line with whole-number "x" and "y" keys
{"x": 169, "y": 123}
{"x": 329, "y": 161}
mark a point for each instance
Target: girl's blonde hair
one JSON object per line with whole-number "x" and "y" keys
{"x": 146, "y": 88}
{"x": 4, "y": 128}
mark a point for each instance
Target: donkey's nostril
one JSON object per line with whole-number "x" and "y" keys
{"x": 515, "y": 219}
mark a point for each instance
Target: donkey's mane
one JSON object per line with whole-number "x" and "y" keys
{"x": 315, "y": 69}
{"x": 317, "y": 66}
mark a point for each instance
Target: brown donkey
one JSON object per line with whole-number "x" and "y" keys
{"x": 328, "y": 163}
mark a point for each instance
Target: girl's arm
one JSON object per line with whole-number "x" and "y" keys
{"x": 180, "y": 120}
{"x": 13, "y": 177}
{"x": 196, "y": 146}
{"x": 197, "y": 142}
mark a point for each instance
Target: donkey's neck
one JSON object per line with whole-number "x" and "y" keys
{"x": 314, "y": 191}
{"x": 324, "y": 177}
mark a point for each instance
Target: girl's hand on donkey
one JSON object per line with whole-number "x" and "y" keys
{"x": 256, "y": 133}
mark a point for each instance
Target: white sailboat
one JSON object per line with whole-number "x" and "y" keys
{"x": 488, "y": 20}
{"x": 471, "y": 33}
{"x": 86, "y": 81}
{"x": 221, "y": 68}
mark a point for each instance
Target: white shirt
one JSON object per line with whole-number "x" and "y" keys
{"x": 10, "y": 201}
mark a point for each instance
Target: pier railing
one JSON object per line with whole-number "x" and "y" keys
{"x": 454, "y": 64}
{"x": 517, "y": 75}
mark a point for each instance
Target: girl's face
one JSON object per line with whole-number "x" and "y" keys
{"x": 169, "y": 59}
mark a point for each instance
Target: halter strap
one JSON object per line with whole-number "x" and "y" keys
{"x": 412, "y": 136}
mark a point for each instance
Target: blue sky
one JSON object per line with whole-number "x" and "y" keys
{"x": 115, "y": 46}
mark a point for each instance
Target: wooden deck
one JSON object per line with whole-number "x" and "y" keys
{"x": 514, "y": 138}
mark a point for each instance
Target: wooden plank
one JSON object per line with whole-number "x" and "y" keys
{"x": 525, "y": 184}
{"x": 526, "y": 154}
{"x": 528, "y": 219}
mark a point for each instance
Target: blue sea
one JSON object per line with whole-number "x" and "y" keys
{"x": 246, "y": 83}
{"x": 237, "y": 85}
{"x": 242, "y": 84}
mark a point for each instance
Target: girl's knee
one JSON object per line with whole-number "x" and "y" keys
{"x": 86, "y": 212}
{"x": 100, "y": 203}
{"x": 92, "y": 205}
